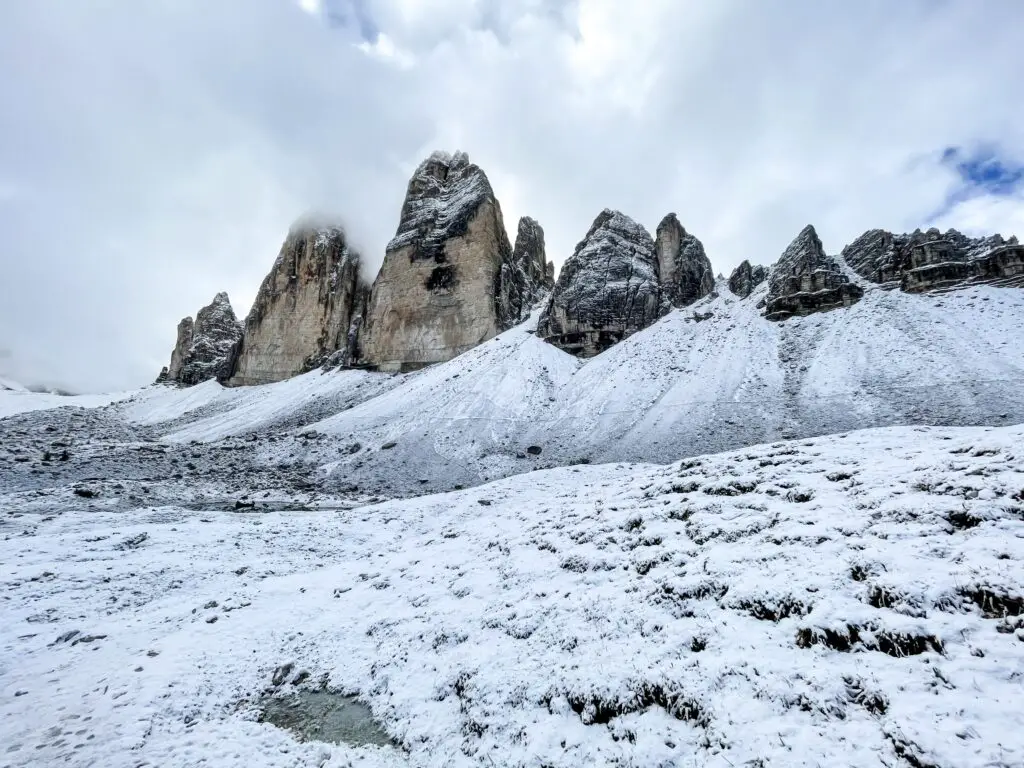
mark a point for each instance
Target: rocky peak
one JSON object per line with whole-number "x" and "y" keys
{"x": 923, "y": 261}
{"x": 524, "y": 277}
{"x": 443, "y": 195}
{"x": 745, "y": 278}
{"x": 305, "y": 305}
{"x": 684, "y": 269}
{"x": 607, "y": 290}
{"x": 806, "y": 280}
{"x": 205, "y": 348}
{"x": 449, "y": 279}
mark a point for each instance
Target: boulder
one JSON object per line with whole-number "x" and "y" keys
{"x": 745, "y": 278}
{"x": 305, "y": 308}
{"x": 684, "y": 270}
{"x": 930, "y": 260}
{"x": 806, "y": 280}
{"x": 439, "y": 291}
{"x": 205, "y": 348}
{"x": 607, "y": 290}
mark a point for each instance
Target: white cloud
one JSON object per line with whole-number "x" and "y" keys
{"x": 169, "y": 145}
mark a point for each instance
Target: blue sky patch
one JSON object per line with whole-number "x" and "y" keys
{"x": 982, "y": 171}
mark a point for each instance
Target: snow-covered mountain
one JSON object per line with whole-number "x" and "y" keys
{"x": 713, "y": 376}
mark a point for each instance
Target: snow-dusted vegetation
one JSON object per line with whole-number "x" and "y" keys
{"x": 849, "y": 600}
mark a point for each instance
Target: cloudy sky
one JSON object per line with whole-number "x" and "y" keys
{"x": 153, "y": 152}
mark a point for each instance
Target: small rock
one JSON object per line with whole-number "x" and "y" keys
{"x": 484, "y": 502}
{"x": 211, "y": 619}
{"x": 85, "y": 493}
{"x": 388, "y": 446}
{"x": 534, "y": 450}
{"x": 281, "y": 673}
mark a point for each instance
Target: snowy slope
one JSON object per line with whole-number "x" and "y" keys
{"x": 683, "y": 387}
{"x": 853, "y": 600}
{"x": 16, "y": 399}
{"x": 10, "y": 385}
{"x": 713, "y": 376}
{"x": 210, "y": 411}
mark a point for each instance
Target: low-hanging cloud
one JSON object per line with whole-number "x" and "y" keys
{"x": 152, "y": 154}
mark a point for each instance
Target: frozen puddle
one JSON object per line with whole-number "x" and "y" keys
{"x": 325, "y": 716}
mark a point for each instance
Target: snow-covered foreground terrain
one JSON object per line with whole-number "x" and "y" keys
{"x": 847, "y": 600}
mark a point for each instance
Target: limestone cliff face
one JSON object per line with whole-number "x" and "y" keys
{"x": 745, "y": 278}
{"x": 440, "y": 289}
{"x": 806, "y": 280}
{"x": 305, "y": 307}
{"x": 205, "y": 349}
{"x": 924, "y": 261}
{"x": 683, "y": 268}
{"x": 607, "y": 290}
{"x": 524, "y": 279}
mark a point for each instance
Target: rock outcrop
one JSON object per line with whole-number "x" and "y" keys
{"x": 607, "y": 290}
{"x": 440, "y": 290}
{"x": 745, "y": 278}
{"x": 923, "y": 261}
{"x": 305, "y": 307}
{"x": 684, "y": 270}
{"x": 206, "y": 348}
{"x": 806, "y": 280}
{"x": 524, "y": 279}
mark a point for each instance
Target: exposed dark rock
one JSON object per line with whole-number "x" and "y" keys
{"x": 305, "y": 309}
{"x": 205, "y": 349}
{"x": 745, "y": 278}
{"x": 805, "y": 280}
{"x": 923, "y": 261}
{"x": 449, "y": 279}
{"x": 524, "y": 277}
{"x": 607, "y": 290}
{"x": 683, "y": 268}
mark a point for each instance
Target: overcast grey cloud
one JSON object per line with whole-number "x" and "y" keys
{"x": 155, "y": 152}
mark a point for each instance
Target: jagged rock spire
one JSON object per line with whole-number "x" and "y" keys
{"x": 806, "y": 280}
{"x": 305, "y": 305}
{"x": 439, "y": 291}
{"x": 205, "y": 348}
{"x": 745, "y": 278}
{"x": 607, "y": 290}
{"x": 683, "y": 268}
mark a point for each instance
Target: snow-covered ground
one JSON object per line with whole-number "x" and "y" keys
{"x": 846, "y": 600}
{"x": 15, "y": 399}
